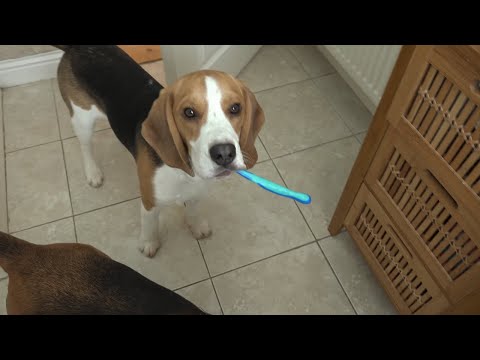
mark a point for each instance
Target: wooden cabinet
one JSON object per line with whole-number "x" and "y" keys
{"x": 143, "y": 53}
{"x": 412, "y": 201}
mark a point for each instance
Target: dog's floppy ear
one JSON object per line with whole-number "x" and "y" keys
{"x": 160, "y": 131}
{"x": 252, "y": 124}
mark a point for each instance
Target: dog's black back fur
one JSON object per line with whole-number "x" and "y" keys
{"x": 122, "y": 87}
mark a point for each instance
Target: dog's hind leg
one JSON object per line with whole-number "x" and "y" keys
{"x": 83, "y": 122}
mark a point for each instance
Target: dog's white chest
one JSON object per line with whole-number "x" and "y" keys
{"x": 175, "y": 186}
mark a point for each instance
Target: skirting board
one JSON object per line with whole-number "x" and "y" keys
{"x": 29, "y": 69}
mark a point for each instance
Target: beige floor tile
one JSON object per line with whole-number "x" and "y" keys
{"x": 249, "y": 223}
{"x": 361, "y": 137}
{"x": 202, "y": 295}
{"x": 37, "y": 188}
{"x": 262, "y": 153}
{"x": 272, "y": 66}
{"x": 61, "y": 231}
{"x": 360, "y": 284}
{"x": 115, "y": 230}
{"x": 119, "y": 170}
{"x": 64, "y": 119}
{"x": 345, "y": 102}
{"x": 312, "y": 60}
{"x": 298, "y": 116}
{"x": 29, "y": 115}
{"x": 3, "y": 296}
{"x": 296, "y": 282}
{"x": 321, "y": 172}
{"x": 157, "y": 71}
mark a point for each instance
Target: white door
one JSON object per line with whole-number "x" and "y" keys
{"x": 179, "y": 60}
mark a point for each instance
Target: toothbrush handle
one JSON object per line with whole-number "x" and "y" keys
{"x": 276, "y": 188}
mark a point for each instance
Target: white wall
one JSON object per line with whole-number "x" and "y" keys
{"x": 183, "y": 59}
{"x": 210, "y": 50}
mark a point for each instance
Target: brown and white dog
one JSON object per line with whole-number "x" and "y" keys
{"x": 77, "y": 279}
{"x": 200, "y": 128}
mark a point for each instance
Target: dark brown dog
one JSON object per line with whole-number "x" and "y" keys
{"x": 76, "y": 279}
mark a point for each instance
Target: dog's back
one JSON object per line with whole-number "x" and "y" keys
{"x": 79, "y": 279}
{"x": 105, "y": 76}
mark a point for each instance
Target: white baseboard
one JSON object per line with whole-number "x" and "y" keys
{"x": 29, "y": 69}
{"x": 231, "y": 58}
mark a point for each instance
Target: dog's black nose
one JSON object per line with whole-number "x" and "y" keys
{"x": 223, "y": 154}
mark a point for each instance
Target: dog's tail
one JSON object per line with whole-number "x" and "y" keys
{"x": 63, "y": 47}
{"x": 10, "y": 249}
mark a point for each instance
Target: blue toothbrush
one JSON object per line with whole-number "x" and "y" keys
{"x": 275, "y": 188}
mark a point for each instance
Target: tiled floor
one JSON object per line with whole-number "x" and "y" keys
{"x": 274, "y": 257}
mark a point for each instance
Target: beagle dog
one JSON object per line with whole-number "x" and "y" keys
{"x": 77, "y": 279}
{"x": 200, "y": 128}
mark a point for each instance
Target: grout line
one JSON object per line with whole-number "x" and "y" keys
{"x": 360, "y": 133}
{"x": 298, "y": 206}
{"x": 194, "y": 283}
{"x": 268, "y": 154}
{"x": 305, "y": 69}
{"x": 210, "y": 277}
{"x": 188, "y": 285}
{"x": 283, "y": 85}
{"x": 265, "y": 258}
{"x": 64, "y": 162}
{"x": 312, "y": 147}
{"x": 38, "y": 225}
{"x": 50, "y": 142}
{"x": 341, "y": 231}
{"x": 78, "y": 214}
{"x": 2, "y": 117}
{"x": 216, "y": 295}
{"x": 81, "y": 213}
{"x": 106, "y": 206}
{"x": 317, "y": 241}
{"x": 30, "y": 147}
{"x": 297, "y": 60}
{"x": 263, "y": 161}
{"x": 295, "y": 82}
{"x": 94, "y": 131}
{"x": 249, "y": 62}
{"x": 334, "y": 108}
{"x": 338, "y": 280}
{"x": 137, "y": 197}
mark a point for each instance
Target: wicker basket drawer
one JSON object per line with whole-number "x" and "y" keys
{"x": 435, "y": 211}
{"x": 402, "y": 274}
{"x": 443, "y": 108}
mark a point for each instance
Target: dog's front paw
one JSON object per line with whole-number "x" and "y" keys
{"x": 94, "y": 176}
{"x": 149, "y": 248}
{"x": 200, "y": 230}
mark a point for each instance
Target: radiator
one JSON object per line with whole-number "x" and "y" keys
{"x": 366, "y": 68}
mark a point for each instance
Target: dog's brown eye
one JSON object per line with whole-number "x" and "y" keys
{"x": 235, "y": 108}
{"x": 189, "y": 112}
